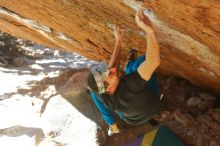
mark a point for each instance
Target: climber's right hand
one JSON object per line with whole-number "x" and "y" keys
{"x": 143, "y": 21}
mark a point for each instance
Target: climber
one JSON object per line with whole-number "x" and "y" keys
{"x": 134, "y": 97}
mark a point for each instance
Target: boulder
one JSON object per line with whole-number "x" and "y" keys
{"x": 21, "y": 61}
{"x": 187, "y": 31}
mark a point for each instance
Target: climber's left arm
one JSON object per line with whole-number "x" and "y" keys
{"x": 115, "y": 58}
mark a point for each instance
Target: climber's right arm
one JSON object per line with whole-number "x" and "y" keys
{"x": 152, "y": 61}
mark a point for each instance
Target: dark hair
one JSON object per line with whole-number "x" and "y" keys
{"x": 91, "y": 83}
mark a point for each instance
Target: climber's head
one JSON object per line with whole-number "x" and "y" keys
{"x": 103, "y": 79}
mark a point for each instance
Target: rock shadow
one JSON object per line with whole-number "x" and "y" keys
{"x": 18, "y": 130}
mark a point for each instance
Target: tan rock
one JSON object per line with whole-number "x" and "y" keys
{"x": 206, "y": 96}
{"x": 215, "y": 114}
{"x": 213, "y": 143}
{"x": 184, "y": 118}
{"x": 21, "y": 61}
{"x": 76, "y": 84}
{"x": 193, "y": 102}
{"x": 2, "y": 43}
{"x": 3, "y": 62}
{"x": 209, "y": 121}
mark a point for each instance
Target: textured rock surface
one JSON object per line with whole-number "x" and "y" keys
{"x": 188, "y": 31}
{"x": 44, "y": 103}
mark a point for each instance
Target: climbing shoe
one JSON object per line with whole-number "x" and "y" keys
{"x": 113, "y": 129}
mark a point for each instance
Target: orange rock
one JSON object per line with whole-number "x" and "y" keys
{"x": 188, "y": 31}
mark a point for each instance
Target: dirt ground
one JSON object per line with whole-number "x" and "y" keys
{"x": 192, "y": 113}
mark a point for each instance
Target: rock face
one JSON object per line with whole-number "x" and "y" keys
{"x": 188, "y": 31}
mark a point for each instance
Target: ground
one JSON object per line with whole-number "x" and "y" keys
{"x": 35, "y": 110}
